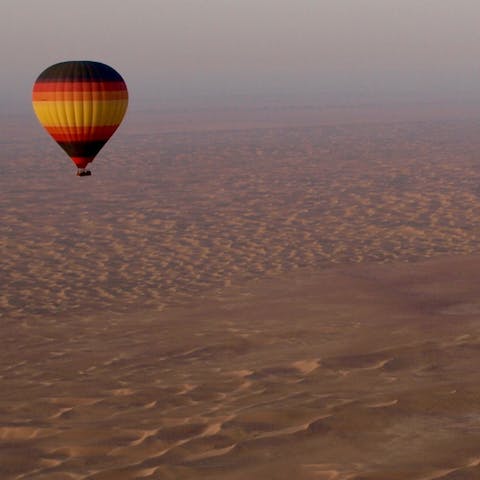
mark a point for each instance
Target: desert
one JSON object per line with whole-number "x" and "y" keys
{"x": 244, "y": 294}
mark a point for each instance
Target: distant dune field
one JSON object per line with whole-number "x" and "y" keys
{"x": 169, "y": 215}
{"x": 285, "y": 294}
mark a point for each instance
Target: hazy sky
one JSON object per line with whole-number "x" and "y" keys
{"x": 169, "y": 50}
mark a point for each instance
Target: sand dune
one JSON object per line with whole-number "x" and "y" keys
{"x": 306, "y": 366}
{"x": 277, "y": 302}
{"x": 208, "y": 211}
{"x": 21, "y": 433}
{"x": 202, "y": 402}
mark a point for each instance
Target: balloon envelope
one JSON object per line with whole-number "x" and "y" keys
{"x": 80, "y": 104}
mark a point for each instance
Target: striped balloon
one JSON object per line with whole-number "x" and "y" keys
{"x": 80, "y": 104}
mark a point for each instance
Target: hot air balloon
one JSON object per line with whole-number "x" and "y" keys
{"x": 80, "y": 104}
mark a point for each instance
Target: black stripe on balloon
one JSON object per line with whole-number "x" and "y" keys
{"x": 79, "y": 71}
{"x": 82, "y": 149}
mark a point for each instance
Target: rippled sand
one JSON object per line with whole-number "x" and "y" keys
{"x": 169, "y": 215}
{"x": 212, "y": 304}
{"x": 364, "y": 372}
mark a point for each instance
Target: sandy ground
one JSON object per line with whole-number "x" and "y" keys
{"x": 361, "y": 372}
{"x": 169, "y": 215}
{"x": 289, "y": 295}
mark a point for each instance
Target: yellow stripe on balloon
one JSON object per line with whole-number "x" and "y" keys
{"x": 80, "y": 114}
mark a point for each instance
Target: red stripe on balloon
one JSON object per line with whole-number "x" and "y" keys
{"x": 79, "y": 96}
{"x": 78, "y": 86}
{"x": 81, "y": 162}
{"x": 78, "y": 134}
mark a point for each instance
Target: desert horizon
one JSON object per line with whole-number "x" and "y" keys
{"x": 228, "y": 196}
